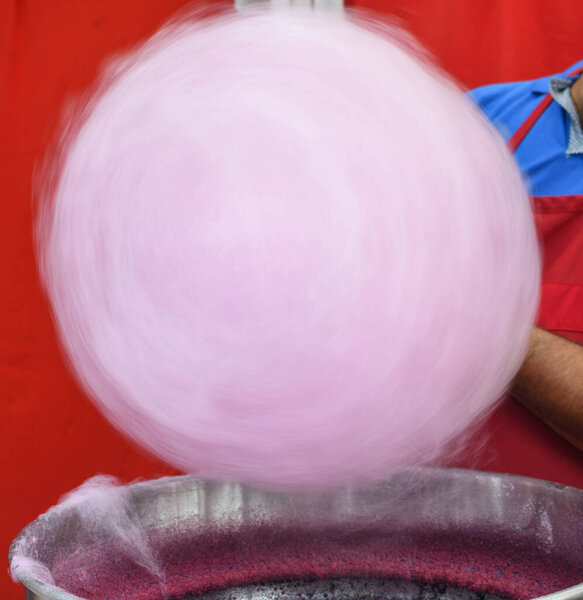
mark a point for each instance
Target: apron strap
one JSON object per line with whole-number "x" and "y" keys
{"x": 521, "y": 132}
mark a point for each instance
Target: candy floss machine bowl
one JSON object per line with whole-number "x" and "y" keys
{"x": 424, "y": 534}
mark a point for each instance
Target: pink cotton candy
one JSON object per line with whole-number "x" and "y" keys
{"x": 282, "y": 248}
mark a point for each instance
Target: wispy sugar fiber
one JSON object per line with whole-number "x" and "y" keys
{"x": 98, "y": 517}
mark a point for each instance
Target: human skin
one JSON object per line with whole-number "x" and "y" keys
{"x": 577, "y": 95}
{"x": 550, "y": 384}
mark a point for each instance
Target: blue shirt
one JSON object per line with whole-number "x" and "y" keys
{"x": 542, "y": 155}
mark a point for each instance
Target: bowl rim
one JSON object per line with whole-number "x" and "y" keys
{"x": 46, "y": 591}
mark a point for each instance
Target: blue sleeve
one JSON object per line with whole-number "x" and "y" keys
{"x": 490, "y": 98}
{"x": 506, "y": 105}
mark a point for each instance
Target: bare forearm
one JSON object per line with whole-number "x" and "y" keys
{"x": 550, "y": 384}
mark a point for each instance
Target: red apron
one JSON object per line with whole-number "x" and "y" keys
{"x": 515, "y": 440}
{"x": 559, "y": 221}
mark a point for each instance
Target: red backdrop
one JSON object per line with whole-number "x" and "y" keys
{"x": 51, "y": 437}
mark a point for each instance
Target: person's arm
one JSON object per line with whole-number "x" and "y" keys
{"x": 550, "y": 384}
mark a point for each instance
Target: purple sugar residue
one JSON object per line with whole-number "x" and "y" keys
{"x": 481, "y": 561}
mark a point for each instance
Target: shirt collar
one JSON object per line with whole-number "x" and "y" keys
{"x": 560, "y": 89}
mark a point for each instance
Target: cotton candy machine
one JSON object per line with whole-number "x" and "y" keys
{"x": 424, "y": 534}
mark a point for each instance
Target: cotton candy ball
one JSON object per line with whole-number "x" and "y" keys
{"x": 282, "y": 248}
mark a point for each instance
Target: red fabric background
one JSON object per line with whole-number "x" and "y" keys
{"x": 51, "y": 437}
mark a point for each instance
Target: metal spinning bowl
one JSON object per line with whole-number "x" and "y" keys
{"x": 539, "y": 525}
